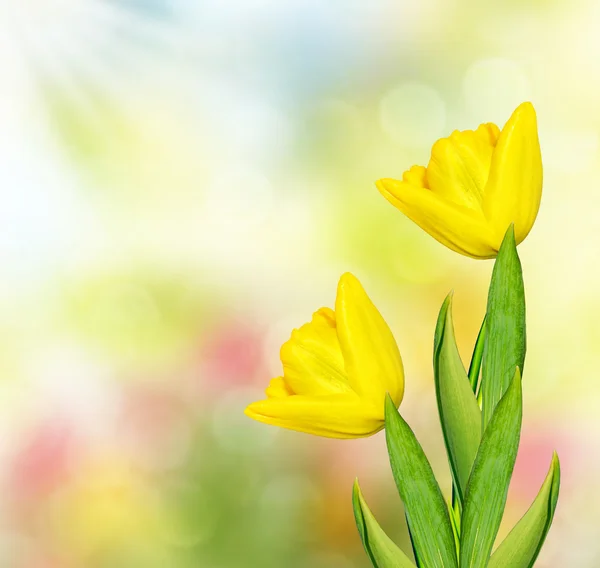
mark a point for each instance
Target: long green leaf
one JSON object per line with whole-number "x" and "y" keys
{"x": 488, "y": 485}
{"x": 505, "y": 324}
{"x": 521, "y": 547}
{"x": 381, "y": 549}
{"x": 459, "y": 413}
{"x": 412, "y": 544}
{"x": 426, "y": 511}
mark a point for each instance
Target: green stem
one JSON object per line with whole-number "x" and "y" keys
{"x": 455, "y": 521}
{"x": 476, "y": 359}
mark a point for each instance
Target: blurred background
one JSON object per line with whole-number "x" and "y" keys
{"x": 182, "y": 182}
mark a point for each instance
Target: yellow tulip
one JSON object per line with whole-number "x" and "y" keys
{"x": 476, "y": 184}
{"x": 337, "y": 370}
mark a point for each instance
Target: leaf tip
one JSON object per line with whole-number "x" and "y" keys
{"x": 516, "y": 385}
{"x": 444, "y": 318}
{"x": 556, "y": 475}
{"x": 390, "y": 406}
{"x": 356, "y": 498}
{"x": 447, "y": 305}
{"x": 357, "y": 506}
{"x": 517, "y": 376}
{"x": 509, "y": 242}
{"x": 555, "y": 465}
{"x": 510, "y": 232}
{"x": 393, "y": 421}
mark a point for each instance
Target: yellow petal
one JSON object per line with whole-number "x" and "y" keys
{"x": 278, "y": 388}
{"x": 332, "y": 416}
{"x": 417, "y": 176}
{"x": 460, "y": 229}
{"x": 489, "y": 132}
{"x": 460, "y": 164}
{"x": 371, "y": 355}
{"x": 312, "y": 358}
{"x": 514, "y": 188}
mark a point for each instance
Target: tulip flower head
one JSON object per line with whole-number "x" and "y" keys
{"x": 337, "y": 370}
{"x": 476, "y": 184}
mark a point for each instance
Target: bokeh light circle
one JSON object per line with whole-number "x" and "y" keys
{"x": 413, "y": 115}
{"x": 494, "y": 87}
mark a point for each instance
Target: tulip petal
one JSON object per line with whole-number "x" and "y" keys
{"x": 460, "y": 229}
{"x": 371, "y": 355}
{"x": 514, "y": 188}
{"x": 312, "y": 358}
{"x": 460, "y": 165}
{"x": 417, "y": 176}
{"x": 332, "y": 416}
{"x": 489, "y": 132}
{"x": 278, "y": 388}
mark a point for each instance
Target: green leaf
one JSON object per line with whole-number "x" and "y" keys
{"x": 412, "y": 544}
{"x": 477, "y": 357}
{"x": 459, "y": 413}
{"x": 488, "y": 485}
{"x": 381, "y": 549}
{"x": 505, "y": 322}
{"x": 523, "y": 544}
{"x": 426, "y": 511}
